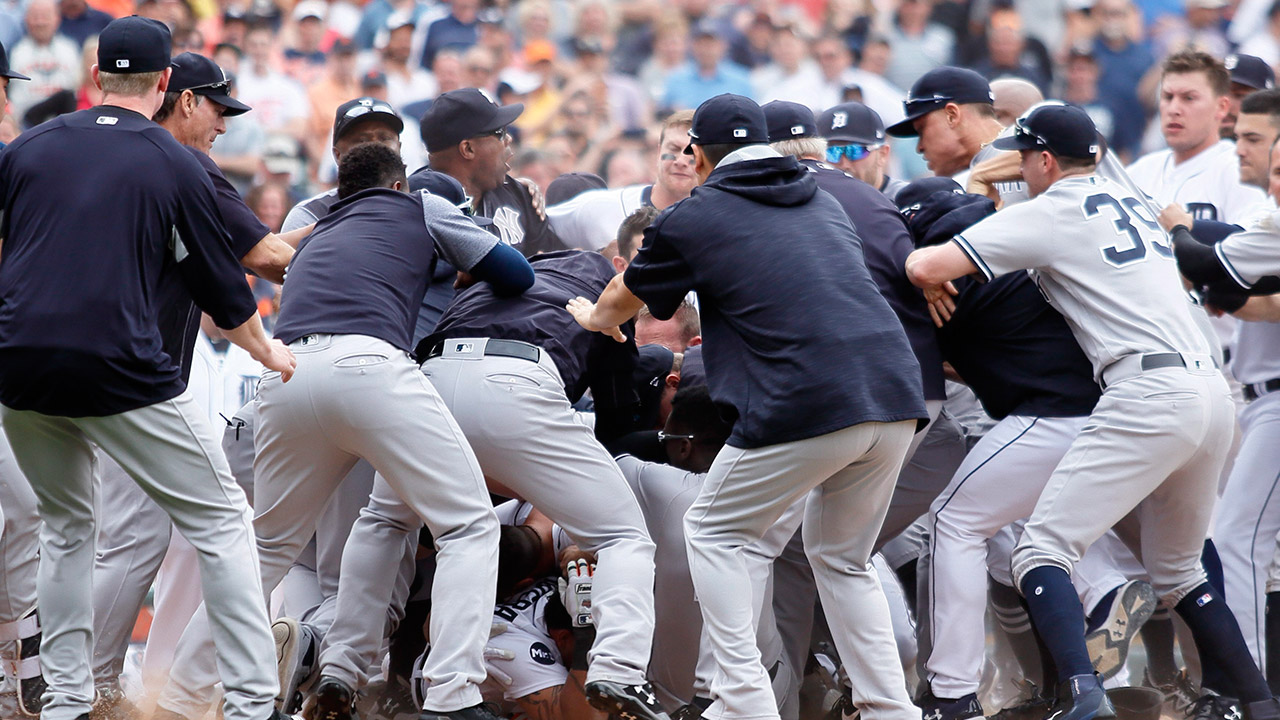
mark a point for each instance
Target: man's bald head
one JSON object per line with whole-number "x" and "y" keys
{"x": 1013, "y": 98}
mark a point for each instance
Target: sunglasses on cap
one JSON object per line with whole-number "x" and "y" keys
{"x": 358, "y": 110}
{"x": 220, "y": 85}
{"x": 853, "y": 151}
{"x": 665, "y": 436}
{"x": 1020, "y": 130}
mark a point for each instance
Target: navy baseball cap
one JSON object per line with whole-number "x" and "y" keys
{"x": 4, "y": 67}
{"x": 353, "y": 111}
{"x": 851, "y": 122}
{"x": 935, "y": 89}
{"x": 653, "y": 364}
{"x": 202, "y": 76}
{"x": 789, "y": 120}
{"x": 917, "y": 190}
{"x": 134, "y": 44}
{"x": 572, "y": 184}
{"x": 728, "y": 120}
{"x": 1064, "y": 130}
{"x": 1250, "y": 71}
{"x": 465, "y": 113}
{"x": 447, "y": 187}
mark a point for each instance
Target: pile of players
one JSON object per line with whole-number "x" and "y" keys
{"x": 493, "y": 470}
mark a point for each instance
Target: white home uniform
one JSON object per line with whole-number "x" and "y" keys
{"x": 590, "y": 220}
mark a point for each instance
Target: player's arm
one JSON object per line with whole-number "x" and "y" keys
{"x": 930, "y": 267}
{"x": 1003, "y": 167}
{"x": 474, "y": 252}
{"x": 562, "y": 702}
{"x": 658, "y": 276}
{"x": 268, "y": 258}
{"x": 1263, "y": 308}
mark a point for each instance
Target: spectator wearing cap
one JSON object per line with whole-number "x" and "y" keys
{"x": 918, "y": 44}
{"x": 458, "y": 30}
{"x": 111, "y": 174}
{"x": 792, "y": 402}
{"x": 6, "y": 74}
{"x": 355, "y": 122}
{"x": 791, "y": 74}
{"x": 373, "y": 19}
{"x": 304, "y": 61}
{"x": 407, "y": 82}
{"x": 951, "y": 112}
{"x": 337, "y": 85}
{"x": 1079, "y": 86}
{"x": 51, "y": 60}
{"x": 1124, "y": 57}
{"x": 708, "y": 74}
{"x": 466, "y": 138}
{"x": 80, "y": 21}
{"x": 278, "y": 101}
{"x": 857, "y": 145}
{"x": 1249, "y": 74}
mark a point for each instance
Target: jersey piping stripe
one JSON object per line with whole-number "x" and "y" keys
{"x": 1259, "y": 609}
{"x": 974, "y": 256}
{"x": 1231, "y": 269}
{"x": 933, "y": 531}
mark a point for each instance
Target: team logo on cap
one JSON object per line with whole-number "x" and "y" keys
{"x": 487, "y": 96}
{"x": 122, "y": 64}
{"x": 1231, "y": 62}
{"x": 839, "y": 120}
{"x": 797, "y": 129}
{"x": 739, "y": 132}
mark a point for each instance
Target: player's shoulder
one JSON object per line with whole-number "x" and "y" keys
{"x": 1152, "y": 163}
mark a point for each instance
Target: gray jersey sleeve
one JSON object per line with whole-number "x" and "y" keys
{"x": 459, "y": 240}
{"x": 1253, "y": 253}
{"x": 1016, "y": 238}
{"x": 298, "y": 217}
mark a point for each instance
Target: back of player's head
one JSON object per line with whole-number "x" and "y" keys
{"x": 369, "y": 165}
{"x": 1263, "y": 102}
{"x": 634, "y": 225}
{"x": 519, "y": 554}
{"x": 1186, "y": 62}
{"x": 693, "y": 412}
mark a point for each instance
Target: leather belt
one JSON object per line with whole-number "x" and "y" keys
{"x": 1253, "y": 391}
{"x": 497, "y": 347}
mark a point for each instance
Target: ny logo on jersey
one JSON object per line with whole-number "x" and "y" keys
{"x": 839, "y": 120}
{"x": 507, "y": 221}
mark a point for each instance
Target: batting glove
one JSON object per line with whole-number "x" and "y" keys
{"x": 575, "y": 592}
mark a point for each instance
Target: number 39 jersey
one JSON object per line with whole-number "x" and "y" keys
{"x": 1101, "y": 260}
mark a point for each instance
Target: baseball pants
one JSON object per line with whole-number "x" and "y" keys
{"x": 355, "y": 397}
{"x": 19, "y": 558}
{"x": 1249, "y": 518}
{"x": 997, "y": 484}
{"x": 1154, "y": 447}
{"x": 745, "y": 493}
{"x": 528, "y": 438}
{"x": 171, "y": 451}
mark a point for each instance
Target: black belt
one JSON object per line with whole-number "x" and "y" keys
{"x": 1153, "y": 361}
{"x": 495, "y": 346}
{"x": 1253, "y": 391}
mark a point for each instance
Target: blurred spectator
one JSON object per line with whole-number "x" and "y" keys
{"x": 456, "y": 31}
{"x": 791, "y": 74}
{"x": 707, "y": 75}
{"x": 479, "y": 70}
{"x": 85, "y": 96}
{"x": 670, "y": 51}
{"x": 448, "y": 71}
{"x": 174, "y": 13}
{"x": 496, "y": 38}
{"x": 1200, "y": 26}
{"x": 626, "y": 167}
{"x": 278, "y": 102}
{"x": 188, "y": 39}
{"x": 534, "y": 165}
{"x": 1008, "y": 52}
{"x": 835, "y": 60}
{"x": 1123, "y": 58}
{"x": 1265, "y": 40}
{"x": 50, "y": 60}
{"x": 750, "y": 49}
{"x": 406, "y": 81}
{"x": 543, "y": 102}
{"x": 270, "y": 202}
{"x": 235, "y": 27}
{"x": 10, "y": 23}
{"x": 376, "y": 13}
{"x": 918, "y": 43}
{"x": 228, "y": 57}
{"x": 79, "y": 21}
{"x": 338, "y": 85}
{"x": 617, "y": 98}
{"x": 238, "y": 151}
{"x": 533, "y": 18}
{"x": 593, "y": 27}
{"x": 304, "y": 61}
{"x": 1080, "y": 87}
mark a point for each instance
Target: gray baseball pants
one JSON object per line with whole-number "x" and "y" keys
{"x": 355, "y": 397}
{"x": 852, "y": 473}
{"x": 19, "y": 542}
{"x": 169, "y": 449}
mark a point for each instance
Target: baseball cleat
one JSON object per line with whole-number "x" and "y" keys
{"x": 333, "y": 700}
{"x": 1081, "y": 697}
{"x": 1109, "y": 644}
{"x": 483, "y": 711}
{"x": 628, "y": 702}
{"x": 110, "y": 703}
{"x": 294, "y": 653}
{"x": 1212, "y": 706}
{"x": 1180, "y": 694}
{"x": 933, "y": 707}
{"x": 692, "y": 710}
{"x": 1034, "y": 709}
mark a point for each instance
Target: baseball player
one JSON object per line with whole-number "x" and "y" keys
{"x": 802, "y": 422}
{"x": 364, "y": 358}
{"x": 1249, "y": 74}
{"x": 856, "y": 144}
{"x": 134, "y": 534}
{"x": 74, "y": 375}
{"x": 1012, "y": 97}
{"x": 591, "y": 219}
{"x": 1159, "y": 434}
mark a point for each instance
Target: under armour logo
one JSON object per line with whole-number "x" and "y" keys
{"x": 644, "y": 692}
{"x": 1234, "y": 714}
{"x": 839, "y": 120}
{"x": 935, "y": 715}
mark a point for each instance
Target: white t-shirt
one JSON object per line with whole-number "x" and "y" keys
{"x": 1101, "y": 260}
